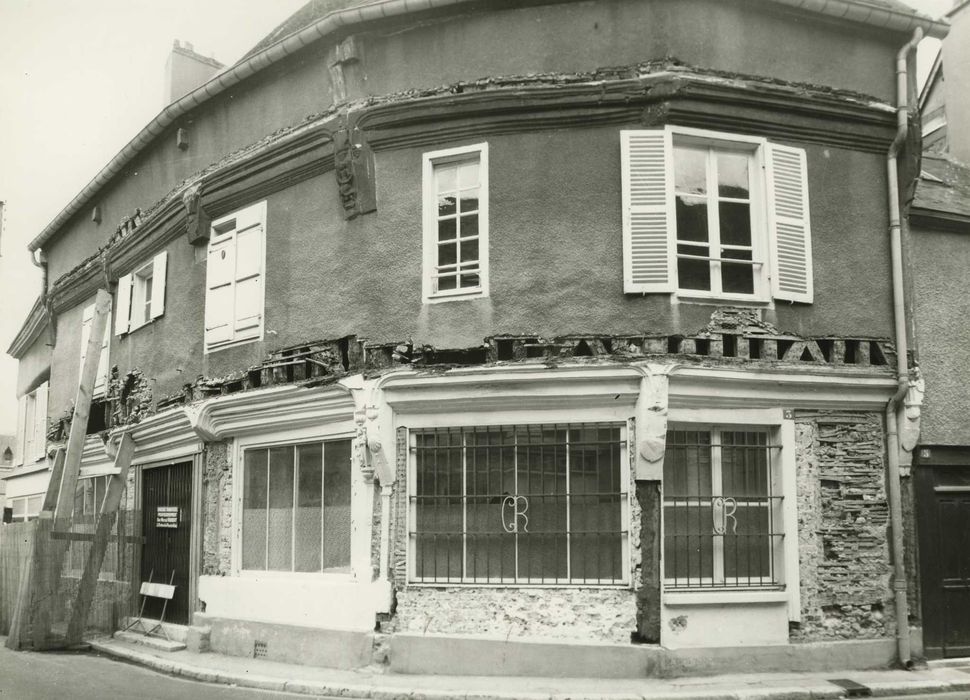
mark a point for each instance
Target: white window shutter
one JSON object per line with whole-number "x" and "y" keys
{"x": 102, "y": 379}
{"x": 220, "y": 268}
{"x": 648, "y": 225}
{"x": 249, "y": 295}
{"x": 86, "y": 318}
{"x": 789, "y": 224}
{"x": 159, "y": 269}
{"x": 123, "y": 314}
{"x": 22, "y": 428}
{"x": 40, "y": 422}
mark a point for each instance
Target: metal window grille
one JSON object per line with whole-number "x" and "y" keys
{"x": 721, "y": 512}
{"x": 542, "y": 504}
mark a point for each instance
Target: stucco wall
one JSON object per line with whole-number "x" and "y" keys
{"x": 556, "y": 264}
{"x": 942, "y": 306}
{"x": 34, "y": 364}
{"x": 749, "y": 38}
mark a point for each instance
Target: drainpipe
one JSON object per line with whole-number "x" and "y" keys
{"x": 40, "y": 260}
{"x": 902, "y": 353}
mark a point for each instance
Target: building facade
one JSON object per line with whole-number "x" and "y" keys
{"x": 432, "y": 351}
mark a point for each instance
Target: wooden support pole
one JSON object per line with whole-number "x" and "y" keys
{"x": 82, "y": 409}
{"x": 106, "y": 520}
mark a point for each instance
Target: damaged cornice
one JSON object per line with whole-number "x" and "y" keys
{"x": 36, "y": 322}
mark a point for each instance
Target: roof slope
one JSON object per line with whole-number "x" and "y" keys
{"x": 319, "y": 19}
{"x": 944, "y": 186}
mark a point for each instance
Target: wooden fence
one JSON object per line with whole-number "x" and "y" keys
{"x": 16, "y": 545}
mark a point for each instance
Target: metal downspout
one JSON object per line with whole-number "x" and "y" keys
{"x": 40, "y": 260}
{"x": 902, "y": 354}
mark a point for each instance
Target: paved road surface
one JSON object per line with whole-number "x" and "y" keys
{"x": 74, "y": 676}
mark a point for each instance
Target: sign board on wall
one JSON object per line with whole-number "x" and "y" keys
{"x": 167, "y": 516}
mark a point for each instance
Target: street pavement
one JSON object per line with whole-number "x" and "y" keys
{"x": 29, "y": 675}
{"x": 183, "y": 674}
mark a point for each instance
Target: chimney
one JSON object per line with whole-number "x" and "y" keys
{"x": 186, "y": 70}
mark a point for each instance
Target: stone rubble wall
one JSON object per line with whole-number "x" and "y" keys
{"x": 843, "y": 527}
{"x": 217, "y": 511}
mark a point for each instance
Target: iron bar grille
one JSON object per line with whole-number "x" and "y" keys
{"x": 522, "y": 504}
{"x": 721, "y": 510}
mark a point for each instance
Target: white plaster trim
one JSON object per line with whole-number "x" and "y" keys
{"x": 674, "y": 598}
{"x": 533, "y": 387}
{"x": 268, "y": 410}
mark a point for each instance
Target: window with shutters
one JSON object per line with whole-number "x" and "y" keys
{"x": 141, "y": 295}
{"x": 456, "y": 223}
{"x": 713, "y": 215}
{"x": 234, "y": 278}
{"x": 101, "y": 378}
{"x": 31, "y": 442}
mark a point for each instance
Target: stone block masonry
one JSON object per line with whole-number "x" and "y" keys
{"x": 843, "y": 527}
{"x": 217, "y": 511}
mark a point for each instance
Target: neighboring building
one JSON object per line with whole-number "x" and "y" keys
{"x": 27, "y": 481}
{"x": 939, "y": 253}
{"x": 442, "y": 328}
{"x": 8, "y": 446}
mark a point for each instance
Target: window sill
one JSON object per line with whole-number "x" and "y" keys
{"x": 232, "y": 344}
{"x": 729, "y": 597}
{"x": 28, "y": 468}
{"x": 455, "y": 296}
{"x": 742, "y": 302}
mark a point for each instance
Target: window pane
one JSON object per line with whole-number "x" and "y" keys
{"x": 732, "y": 175}
{"x": 744, "y": 464}
{"x": 490, "y": 481}
{"x": 447, "y": 229}
{"x": 737, "y": 278}
{"x": 688, "y": 540}
{"x": 694, "y": 274}
{"x": 469, "y": 225}
{"x": 469, "y": 250}
{"x": 690, "y": 170}
{"x": 469, "y": 201}
{"x": 280, "y": 517}
{"x": 471, "y": 280}
{"x": 336, "y": 505}
{"x": 447, "y": 282}
{"x": 687, "y": 463}
{"x": 309, "y": 513}
{"x": 468, "y": 173}
{"x": 542, "y": 483}
{"x": 747, "y": 544}
{"x": 438, "y": 505}
{"x": 254, "y": 510}
{"x": 735, "y": 218}
{"x": 446, "y": 176}
{"x": 446, "y": 204}
{"x": 447, "y": 254}
{"x": 692, "y": 219}
{"x": 595, "y": 501}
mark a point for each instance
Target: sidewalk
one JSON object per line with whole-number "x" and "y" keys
{"x": 308, "y": 680}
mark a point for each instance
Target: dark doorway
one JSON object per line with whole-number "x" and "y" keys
{"x": 943, "y": 511}
{"x": 166, "y": 524}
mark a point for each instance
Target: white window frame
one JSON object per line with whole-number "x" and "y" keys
{"x": 779, "y": 204}
{"x": 430, "y": 160}
{"x": 101, "y": 377}
{"x": 781, "y": 432}
{"x": 141, "y": 295}
{"x": 289, "y": 439}
{"x": 754, "y": 148}
{"x": 223, "y": 231}
{"x": 493, "y": 420}
{"x": 26, "y": 508}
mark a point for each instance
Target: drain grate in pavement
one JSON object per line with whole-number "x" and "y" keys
{"x": 852, "y": 689}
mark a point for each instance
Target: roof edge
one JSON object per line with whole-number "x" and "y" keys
{"x": 37, "y": 320}
{"x": 344, "y": 19}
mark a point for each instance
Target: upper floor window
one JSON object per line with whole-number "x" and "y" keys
{"x": 712, "y": 215}
{"x": 31, "y": 438}
{"x": 234, "y": 278}
{"x": 101, "y": 378}
{"x": 141, "y": 295}
{"x": 456, "y": 223}
{"x": 519, "y": 504}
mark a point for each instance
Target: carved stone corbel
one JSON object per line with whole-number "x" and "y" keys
{"x": 196, "y": 220}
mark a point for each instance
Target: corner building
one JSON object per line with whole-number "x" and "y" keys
{"x": 548, "y": 337}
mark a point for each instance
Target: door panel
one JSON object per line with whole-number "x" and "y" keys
{"x": 944, "y": 527}
{"x": 166, "y": 524}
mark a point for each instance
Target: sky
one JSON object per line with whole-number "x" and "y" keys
{"x": 78, "y": 80}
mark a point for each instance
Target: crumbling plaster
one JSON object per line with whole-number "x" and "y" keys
{"x": 217, "y": 510}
